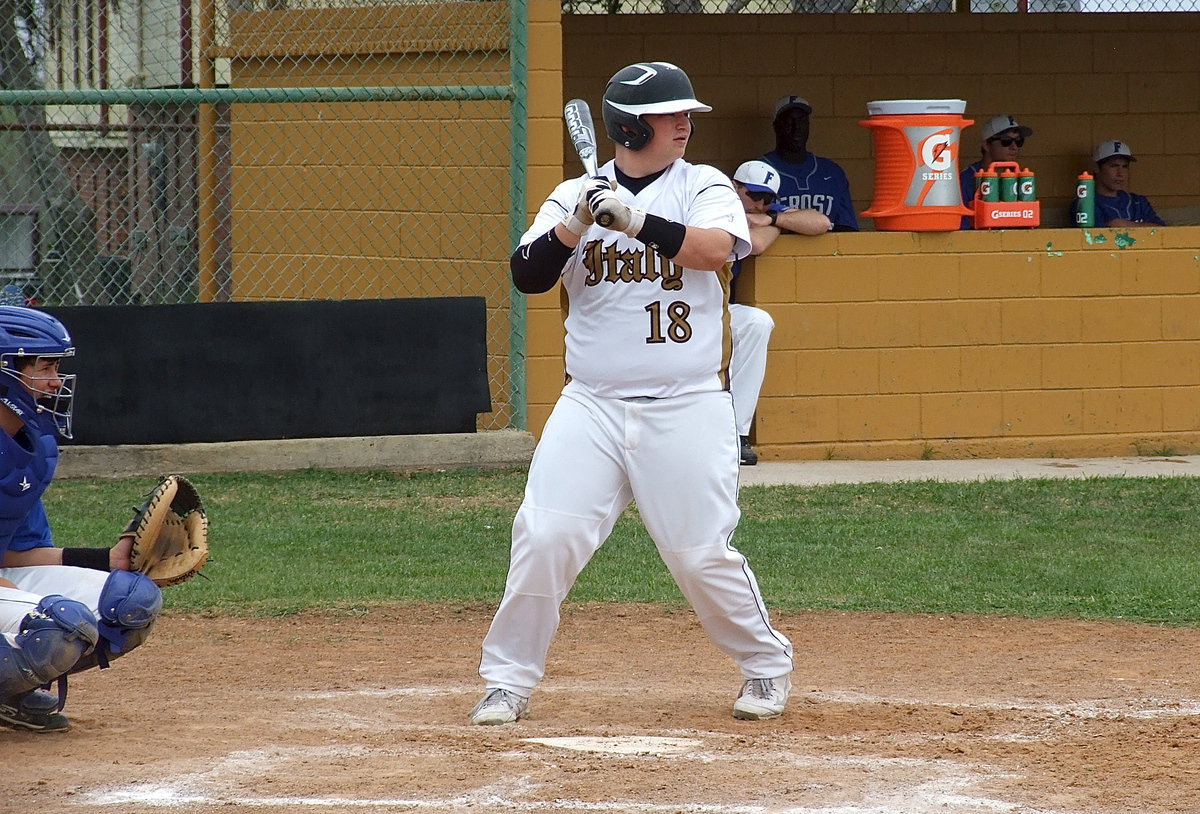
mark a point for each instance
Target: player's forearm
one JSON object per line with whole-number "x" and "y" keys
{"x": 34, "y": 556}
{"x": 536, "y": 266}
{"x": 761, "y": 238}
{"x": 804, "y": 222}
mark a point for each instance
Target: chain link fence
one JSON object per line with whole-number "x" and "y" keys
{"x": 867, "y": 6}
{"x": 161, "y": 152}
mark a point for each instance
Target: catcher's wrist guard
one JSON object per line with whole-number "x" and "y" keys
{"x": 170, "y": 533}
{"x": 94, "y": 558}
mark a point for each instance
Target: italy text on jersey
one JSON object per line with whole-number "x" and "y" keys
{"x": 609, "y": 264}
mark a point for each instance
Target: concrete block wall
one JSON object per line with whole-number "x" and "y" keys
{"x": 1013, "y": 343}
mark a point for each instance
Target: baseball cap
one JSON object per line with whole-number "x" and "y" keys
{"x": 758, "y": 176}
{"x": 1111, "y": 148}
{"x": 1000, "y": 124}
{"x": 788, "y": 102}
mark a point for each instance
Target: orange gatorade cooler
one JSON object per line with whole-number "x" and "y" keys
{"x": 916, "y": 164}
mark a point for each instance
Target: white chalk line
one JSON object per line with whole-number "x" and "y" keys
{"x": 943, "y": 788}
{"x": 1139, "y": 708}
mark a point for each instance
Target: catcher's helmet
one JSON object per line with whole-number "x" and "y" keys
{"x": 641, "y": 88}
{"x": 29, "y": 334}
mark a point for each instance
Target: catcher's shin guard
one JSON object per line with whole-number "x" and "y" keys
{"x": 129, "y": 602}
{"x": 51, "y": 640}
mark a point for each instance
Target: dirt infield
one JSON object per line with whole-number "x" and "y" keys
{"x": 890, "y": 713}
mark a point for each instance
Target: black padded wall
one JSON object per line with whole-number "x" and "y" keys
{"x": 241, "y": 371}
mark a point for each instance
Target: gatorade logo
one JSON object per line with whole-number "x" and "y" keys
{"x": 937, "y": 150}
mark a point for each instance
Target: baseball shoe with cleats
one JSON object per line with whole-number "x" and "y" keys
{"x": 748, "y": 456}
{"x": 34, "y": 711}
{"x": 762, "y": 698}
{"x": 499, "y": 707}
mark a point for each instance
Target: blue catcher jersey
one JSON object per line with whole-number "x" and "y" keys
{"x": 817, "y": 183}
{"x": 27, "y": 463}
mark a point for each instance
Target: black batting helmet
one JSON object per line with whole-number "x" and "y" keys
{"x": 642, "y": 88}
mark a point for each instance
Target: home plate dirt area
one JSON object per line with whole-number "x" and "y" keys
{"x": 367, "y": 712}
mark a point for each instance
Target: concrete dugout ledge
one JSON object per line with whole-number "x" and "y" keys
{"x": 496, "y": 448}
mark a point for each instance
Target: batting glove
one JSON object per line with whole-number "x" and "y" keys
{"x": 612, "y": 213}
{"x": 578, "y": 221}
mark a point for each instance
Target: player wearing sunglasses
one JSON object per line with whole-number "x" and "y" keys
{"x": 1002, "y": 139}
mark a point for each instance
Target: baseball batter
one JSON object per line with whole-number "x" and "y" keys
{"x": 61, "y": 610}
{"x": 646, "y": 414}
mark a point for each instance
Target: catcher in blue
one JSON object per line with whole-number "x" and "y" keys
{"x": 61, "y": 609}
{"x": 646, "y": 414}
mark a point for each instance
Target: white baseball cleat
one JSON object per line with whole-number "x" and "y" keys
{"x": 762, "y": 698}
{"x": 499, "y": 707}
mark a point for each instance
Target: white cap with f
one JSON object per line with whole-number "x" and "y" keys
{"x": 758, "y": 176}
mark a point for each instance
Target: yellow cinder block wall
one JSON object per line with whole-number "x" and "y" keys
{"x": 1051, "y": 342}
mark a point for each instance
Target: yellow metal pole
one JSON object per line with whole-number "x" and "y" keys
{"x": 207, "y": 160}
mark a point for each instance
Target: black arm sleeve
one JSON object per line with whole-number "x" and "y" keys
{"x": 537, "y": 266}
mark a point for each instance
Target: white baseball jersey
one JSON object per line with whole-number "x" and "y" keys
{"x": 637, "y": 323}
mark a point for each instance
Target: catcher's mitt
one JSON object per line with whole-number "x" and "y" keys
{"x": 170, "y": 533}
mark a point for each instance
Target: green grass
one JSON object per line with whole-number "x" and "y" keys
{"x": 1106, "y": 548}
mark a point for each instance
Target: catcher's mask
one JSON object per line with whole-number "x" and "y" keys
{"x": 27, "y": 335}
{"x": 642, "y": 88}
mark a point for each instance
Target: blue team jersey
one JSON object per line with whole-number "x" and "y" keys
{"x": 966, "y": 180}
{"x": 817, "y": 183}
{"x": 1122, "y": 205}
{"x": 27, "y": 464}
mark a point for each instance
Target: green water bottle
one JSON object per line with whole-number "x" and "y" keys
{"x": 1028, "y": 185}
{"x": 1008, "y": 185}
{"x": 989, "y": 185}
{"x": 1085, "y": 200}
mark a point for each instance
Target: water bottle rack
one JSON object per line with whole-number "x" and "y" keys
{"x": 1005, "y": 214}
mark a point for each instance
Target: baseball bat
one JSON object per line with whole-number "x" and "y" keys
{"x": 578, "y": 117}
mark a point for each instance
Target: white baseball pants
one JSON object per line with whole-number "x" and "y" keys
{"x": 678, "y": 458}
{"x": 751, "y": 329}
{"x": 35, "y": 581}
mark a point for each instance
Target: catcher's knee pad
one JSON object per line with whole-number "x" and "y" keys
{"x": 51, "y": 640}
{"x": 129, "y": 601}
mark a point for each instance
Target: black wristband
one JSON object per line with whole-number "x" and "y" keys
{"x": 94, "y": 558}
{"x": 662, "y": 235}
{"x": 773, "y": 215}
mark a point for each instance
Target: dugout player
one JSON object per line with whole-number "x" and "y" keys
{"x": 1001, "y": 139}
{"x": 807, "y": 181}
{"x": 757, "y": 185}
{"x": 61, "y": 610}
{"x": 646, "y": 414}
{"x": 1116, "y": 205}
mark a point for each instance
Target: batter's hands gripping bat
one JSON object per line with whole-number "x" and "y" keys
{"x": 578, "y": 117}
